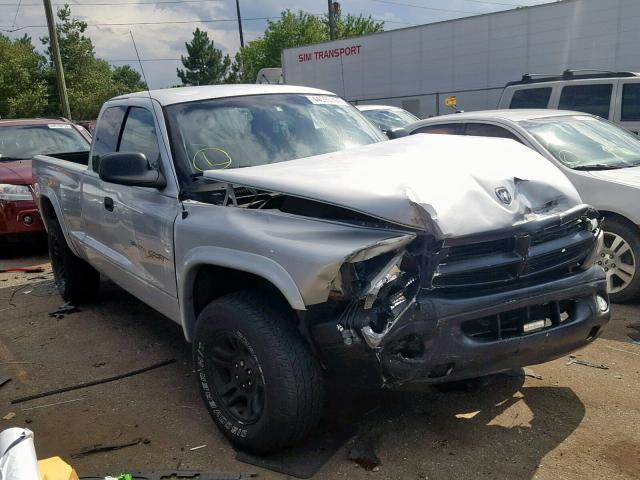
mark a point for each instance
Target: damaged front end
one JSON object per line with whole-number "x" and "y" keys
{"x": 414, "y": 280}
{"x": 441, "y": 310}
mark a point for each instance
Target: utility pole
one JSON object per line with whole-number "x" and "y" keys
{"x": 57, "y": 61}
{"x": 239, "y": 23}
{"x": 332, "y": 29}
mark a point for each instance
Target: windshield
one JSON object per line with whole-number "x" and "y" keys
{"x": 257, "y": 130}
{"x": 388, "y": 119}
{"x": 582, "y": 142}
{"x": 26, "y": 141}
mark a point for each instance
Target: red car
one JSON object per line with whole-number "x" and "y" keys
{"x": 20, "y": 140}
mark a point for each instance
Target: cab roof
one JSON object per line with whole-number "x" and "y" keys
{"x": 515, "y": 115}
{"x": 170, "y": 96}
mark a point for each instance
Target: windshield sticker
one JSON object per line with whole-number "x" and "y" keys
{"x": 326, "y": 100}
{"x": 58, "y": 125}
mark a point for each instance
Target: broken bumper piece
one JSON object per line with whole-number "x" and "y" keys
{"x": 445, "y": 338}
{"x": 441, "y": 339}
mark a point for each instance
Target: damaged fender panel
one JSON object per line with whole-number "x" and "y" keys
{"x": 444, "y": 185}
{"x": 311, "y": 252}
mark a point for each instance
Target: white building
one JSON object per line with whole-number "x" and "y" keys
{"x": 473, "y": 57}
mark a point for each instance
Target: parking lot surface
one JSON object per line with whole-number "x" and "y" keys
{"x": 562, "y": 420}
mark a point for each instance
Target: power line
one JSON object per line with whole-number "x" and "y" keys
{"x": 448, "y": 10}
{"x": 169, "y": 22}
{"x": 391, "y": 21}
{"x": 108, "y": 3}
{"x": 16, "y": 15}
{"x": 496, "y": 3}
{"x": 143, "y": 60}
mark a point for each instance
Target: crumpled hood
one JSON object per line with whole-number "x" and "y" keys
{"x": 16, "y": 172}
{"x": 443, "y": 184}
{"x": 626, "y": 176}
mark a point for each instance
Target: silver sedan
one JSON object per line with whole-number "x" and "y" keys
{"x": 601, "y": 159}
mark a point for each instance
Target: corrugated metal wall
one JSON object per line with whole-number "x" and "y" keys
{"x": 472, "y": 57}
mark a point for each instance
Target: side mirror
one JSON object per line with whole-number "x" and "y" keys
{"x": 397, "y": 133}
{"x": 128, "y": 168}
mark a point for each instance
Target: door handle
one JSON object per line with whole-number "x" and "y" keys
{"x": 108, "y": 203}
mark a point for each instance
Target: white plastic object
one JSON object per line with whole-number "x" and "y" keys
{"x": 18, "y": 459}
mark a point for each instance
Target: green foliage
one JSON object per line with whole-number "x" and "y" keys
{"x": 294, "y": 30}
{"x": 204, "y": 64}
{"x": 23, "y": 90}
{"x": 352, "y": 26}
{"x": 127, "y": 80}
{"x": 89, "y": 79}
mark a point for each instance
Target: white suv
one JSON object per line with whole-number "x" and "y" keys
{"x": 614, "y": 96}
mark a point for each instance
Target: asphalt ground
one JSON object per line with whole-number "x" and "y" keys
{"x": 561, "y": 420}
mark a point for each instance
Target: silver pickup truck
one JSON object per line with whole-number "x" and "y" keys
{"x": 288, "y": 238}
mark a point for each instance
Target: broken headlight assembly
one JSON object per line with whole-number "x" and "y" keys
{"x": 380, "y": 291}
{"x": 598, "y": 233}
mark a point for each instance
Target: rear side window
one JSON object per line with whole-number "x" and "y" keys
{"x": 486, "y": 130}
{"x": 106, "y": 136}
{"x": 445, "y": 128}
{"x": 139, "y": 135}
{"x": 630, "y": 102}
{"x": 531, "y": 98}
{"x": 594, "y": 99}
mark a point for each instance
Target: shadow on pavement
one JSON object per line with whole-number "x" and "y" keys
{"x": 506, "y": 425}
{"x": 32, "y": 247}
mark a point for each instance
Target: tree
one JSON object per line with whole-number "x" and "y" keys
{"x": 89, "y": 79}
{"x": 127, "y": 80}
{"x": 294, "y": 30}
{"x": 23, "y": 89}
{"x": 352, "y": 26}
{"x": 204, "y": 64}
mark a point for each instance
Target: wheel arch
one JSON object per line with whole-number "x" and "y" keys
{"x": 212, "y": 273}
{"x": 621, "y": 218}
{"x": 50, "y": 211}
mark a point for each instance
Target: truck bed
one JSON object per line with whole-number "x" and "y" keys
{"x": 81, "y": 158}
{"x": 60, "y": 179}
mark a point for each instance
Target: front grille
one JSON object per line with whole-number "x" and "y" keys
{"x": 512, "y": 323}
{"x": 552, "y": 251}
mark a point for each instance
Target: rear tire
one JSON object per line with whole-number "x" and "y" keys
{"x": 621, "y": 260}
{"x": 259, "y": 380}
{"x": 76, "y": 280}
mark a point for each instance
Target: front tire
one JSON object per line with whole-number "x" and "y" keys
{"x": 619, "y": 257}
{"x": 259, "y": 380}
{"x": 76, "y": 280}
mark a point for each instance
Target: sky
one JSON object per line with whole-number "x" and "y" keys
{"x": 161, "y": 44}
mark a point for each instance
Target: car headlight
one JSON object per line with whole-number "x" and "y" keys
{"x": 12, "y": 193}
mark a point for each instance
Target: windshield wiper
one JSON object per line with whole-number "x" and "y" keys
{"x": 599, "y": 166}
{"x": 11, "y": 159}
